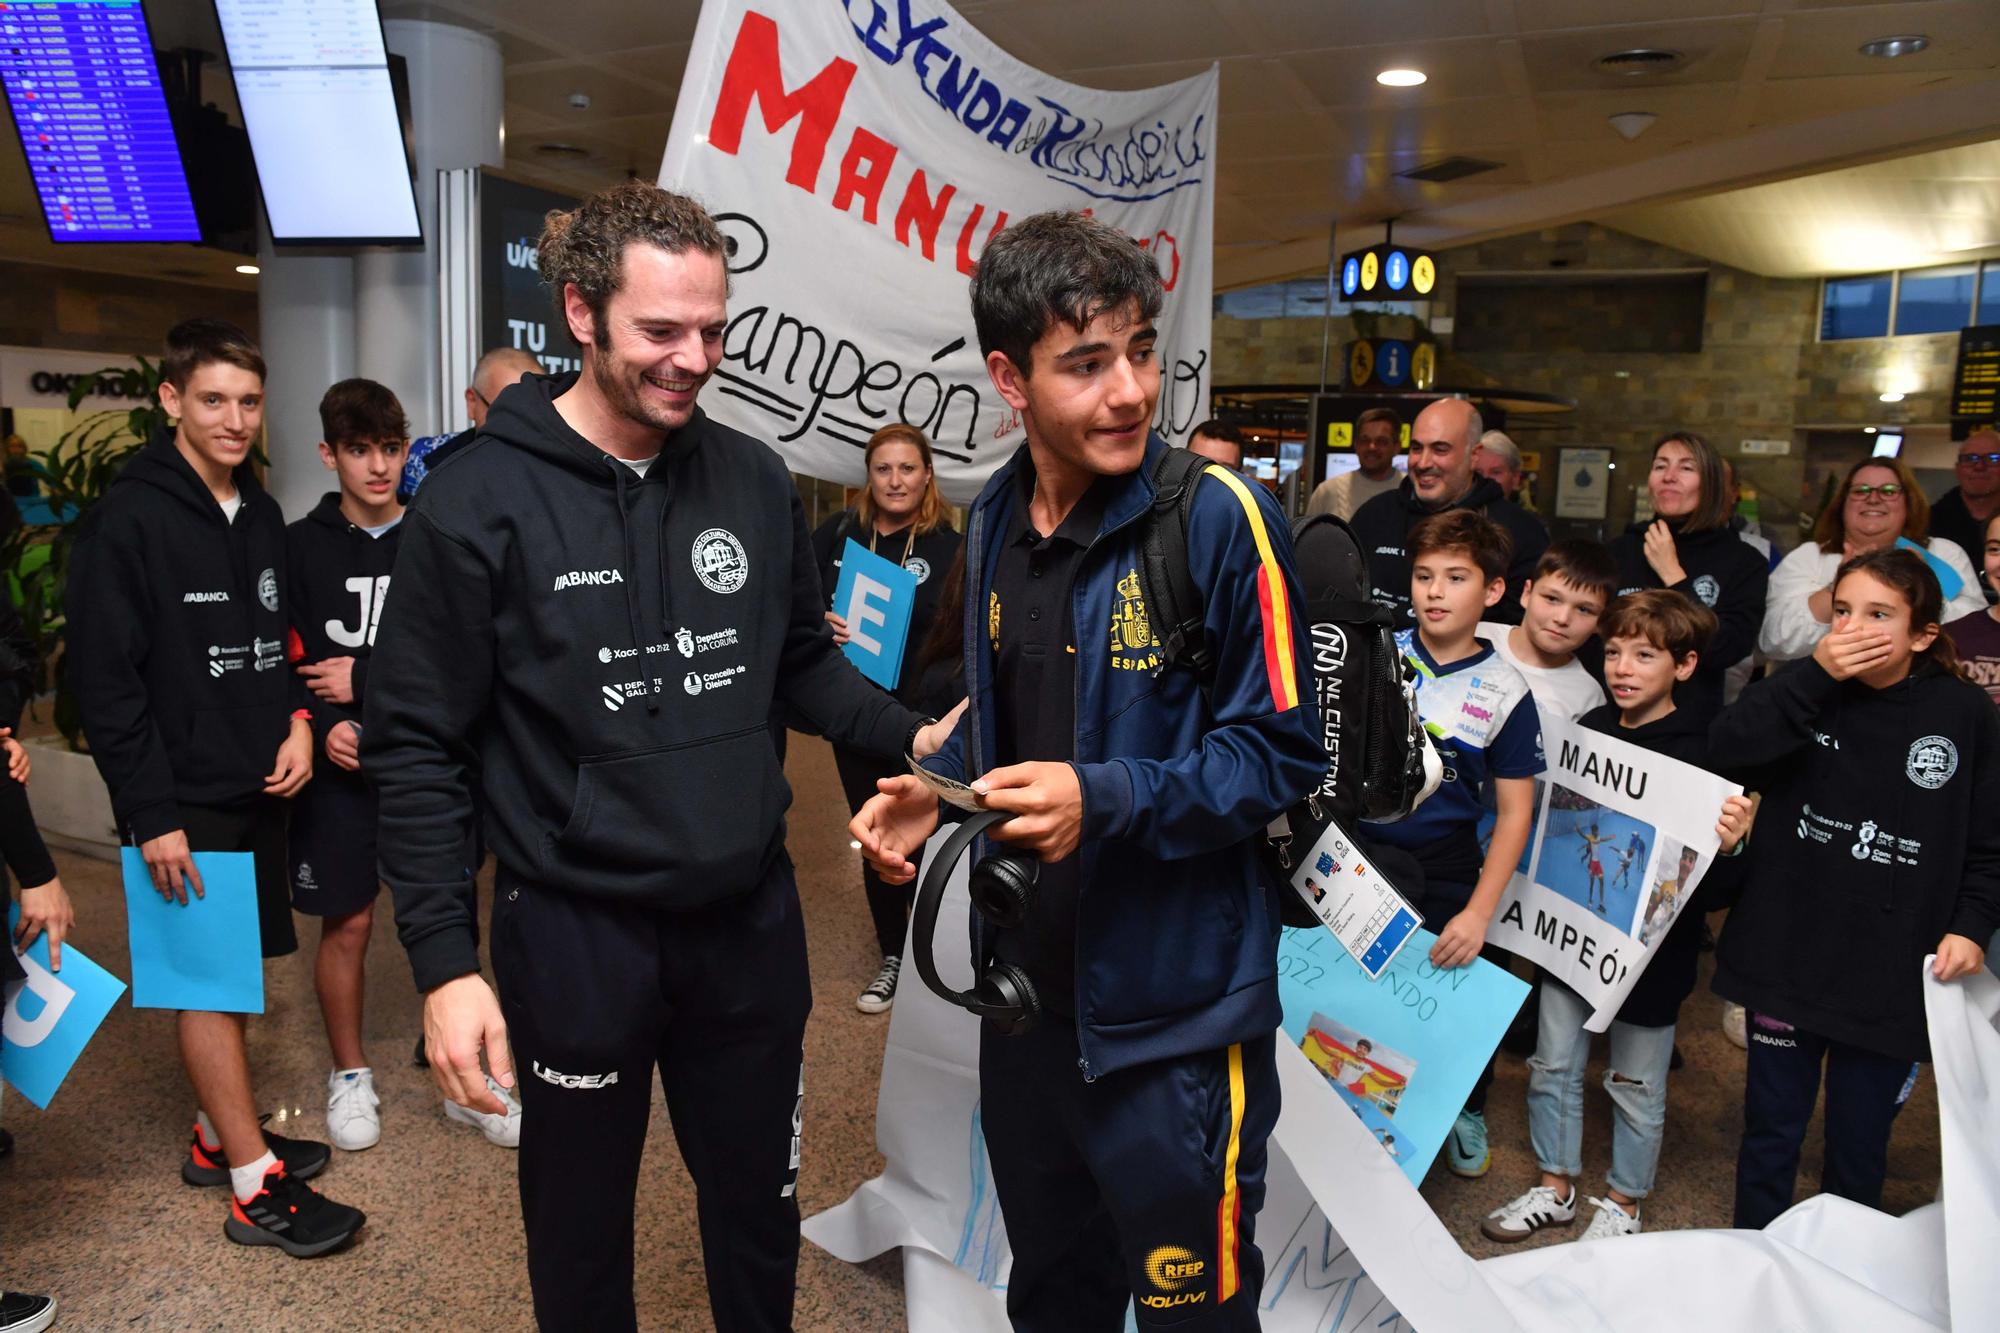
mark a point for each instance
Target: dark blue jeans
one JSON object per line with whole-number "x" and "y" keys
{"x": 1864, "y": 1090}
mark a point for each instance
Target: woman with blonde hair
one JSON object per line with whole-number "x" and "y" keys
{"x": 900, "y": 516}
{"x": 1878, "y": 506}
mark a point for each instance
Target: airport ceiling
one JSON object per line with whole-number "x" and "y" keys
{"x": 1763, "y": 91}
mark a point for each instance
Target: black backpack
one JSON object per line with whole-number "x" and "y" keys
{"x": 1382, "y": 762}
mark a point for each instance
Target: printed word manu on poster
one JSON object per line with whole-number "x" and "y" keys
{"x": 859, "y": 157}
{"x": 1622, "y": 838}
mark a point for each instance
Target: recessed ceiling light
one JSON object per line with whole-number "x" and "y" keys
{"x": 1867, "y": 430}
{"x": 248, "y": 270}
{"x": 1888, "y": 48}
{"x": 1891, "y": 397}
{"x": 1401, "y": 78}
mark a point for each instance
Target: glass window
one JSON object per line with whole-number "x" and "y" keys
{"x": 1266, "y": 302}
{"x": 1934, "y": 300}
{"x": 1989, "y": 293}
{"x": 1855, "y": 307}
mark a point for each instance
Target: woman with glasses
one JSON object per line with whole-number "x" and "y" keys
{"x": 1879, "y": 506}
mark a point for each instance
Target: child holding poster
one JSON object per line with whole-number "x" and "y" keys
{"x": 1652, "y": 642}
{"x": 1482, "y": 718}
{"x": 1880, "y": 768}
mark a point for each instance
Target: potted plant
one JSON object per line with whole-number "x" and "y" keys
{"x": 70, "y": 801}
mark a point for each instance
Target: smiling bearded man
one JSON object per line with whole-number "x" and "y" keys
{"x": 600, "y": 612}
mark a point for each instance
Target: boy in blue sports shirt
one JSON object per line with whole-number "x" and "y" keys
{"x": 1481, "y": 716}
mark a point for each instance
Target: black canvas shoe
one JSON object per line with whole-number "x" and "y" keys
{"x": 302, "y": 1158}
{"x": 296, "y": 1218}
{"x": 21, "y": 1313}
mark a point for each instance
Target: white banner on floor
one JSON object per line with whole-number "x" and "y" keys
{"x": 1350, "y": 1245}
{"x": 860, "y": 155}
{"x": 1622, "y": 838}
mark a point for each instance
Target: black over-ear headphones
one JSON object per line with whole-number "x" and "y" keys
{"x": 1002, "y": 885}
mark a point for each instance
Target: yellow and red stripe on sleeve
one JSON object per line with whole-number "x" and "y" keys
{"x": 1272, "y": 600}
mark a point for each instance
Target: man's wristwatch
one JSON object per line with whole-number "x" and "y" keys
{"x": 910, "y": 741}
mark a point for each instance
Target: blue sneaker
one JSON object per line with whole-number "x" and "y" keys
{"x": 1465, "y": 1150}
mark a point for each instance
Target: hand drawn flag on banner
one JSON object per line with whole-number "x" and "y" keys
{"x": 859, "y": 158}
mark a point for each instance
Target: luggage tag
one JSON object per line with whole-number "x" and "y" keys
{"x": 949, "y": 790}
{"x": 1364, "y": 911}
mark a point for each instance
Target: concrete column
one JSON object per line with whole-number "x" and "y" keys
{"x": 305, "y": 315}
{"x": 456, "y": 97}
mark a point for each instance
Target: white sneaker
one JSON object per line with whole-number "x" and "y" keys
{"x": 502, "y": 1131}
{"x": 1539, "y": 1207}
{"x": 353, "y": 1115}
{"x": 1733, "y": 1026}
{"x": 1611, "y": 1220}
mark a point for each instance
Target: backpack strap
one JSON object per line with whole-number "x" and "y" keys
{"x": 1173, "y": 602}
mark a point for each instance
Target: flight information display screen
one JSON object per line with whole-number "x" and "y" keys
{"x": 312, "y": 77}
{"x": 92, "y": 120}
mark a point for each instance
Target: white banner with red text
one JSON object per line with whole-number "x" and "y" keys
{"x": 859, "y": 158}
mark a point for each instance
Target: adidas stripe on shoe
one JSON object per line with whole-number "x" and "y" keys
{"x": 296, "y": 1218}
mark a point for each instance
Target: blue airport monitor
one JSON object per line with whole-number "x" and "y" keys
{"x": 92, "y": 120}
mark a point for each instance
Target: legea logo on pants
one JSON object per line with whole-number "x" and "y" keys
{"x": 561, "y": 1080}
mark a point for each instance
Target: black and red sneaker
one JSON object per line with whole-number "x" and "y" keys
{"x": 296, "y": 1218}
{"x": 205, "y": 1165}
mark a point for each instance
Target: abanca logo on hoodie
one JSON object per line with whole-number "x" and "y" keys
{"x": 577, "y": 577}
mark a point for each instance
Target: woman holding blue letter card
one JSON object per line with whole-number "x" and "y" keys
{"x": 901, "y": 517}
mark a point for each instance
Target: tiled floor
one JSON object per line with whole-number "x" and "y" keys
{"x": 92, "y": 1208}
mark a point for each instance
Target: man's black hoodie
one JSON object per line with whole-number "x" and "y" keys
{"x": 177, "y": 641}
{"x": 1655, "y": 998}
{"x": 1876, "y": 837}
{"x": 1720, "y": 571}
{"x": 339, "y": 584}
{"x": 1382, "y": 526}
{"x": 612, "y": 646}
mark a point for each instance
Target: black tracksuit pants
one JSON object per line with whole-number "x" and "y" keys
{"x": 1143, "y": 1185}
{"x": 1864, "y": 1091}
{"x": 596, "y": 994}
{"x": 888, "y": 904}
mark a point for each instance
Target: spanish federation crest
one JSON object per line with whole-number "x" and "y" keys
{"x": 1133, "y": 646}
{"x": 720, "y": 561}
{"x": 1707, "y": 589}
{"x": 919, "y": 567}
{"x": 267, "y": 589}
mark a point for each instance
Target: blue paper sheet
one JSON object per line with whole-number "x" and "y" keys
{"x": 876, "y": 597}
{"x": 207, "y": 955}
{"x": 51, "y": 1016}
{"x": 1401, "y": 1052}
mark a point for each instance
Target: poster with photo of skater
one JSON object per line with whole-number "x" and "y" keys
{"x": 1621, "y": 838}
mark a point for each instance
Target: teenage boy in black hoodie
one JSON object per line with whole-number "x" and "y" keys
{"x": 177, "y": 652}
{"x": 340, "y": 557}
{"x": 1442, "y": 442}
{"x": 599, "y": 605}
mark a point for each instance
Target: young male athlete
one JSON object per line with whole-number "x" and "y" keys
{"x": 599, "y": 604}
{"x": 177, "y": 650}
{"x": 1594, "y": 860}
{"x": 1127, "y": 1129}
